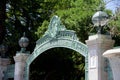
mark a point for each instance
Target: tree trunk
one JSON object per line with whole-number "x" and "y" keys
{"x": 2, "y": 19}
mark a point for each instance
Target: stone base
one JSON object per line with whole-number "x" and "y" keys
{"x": 97, "y": 45}
{"x": 20, "y": 62}
{"x": 4, "y": 62}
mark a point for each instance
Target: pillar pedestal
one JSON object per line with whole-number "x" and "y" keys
{"x": 4, "y": 62}
{"x": 20, "y": 61}
{"x": 114, "y": 57}
{"x": 97, "y": 45}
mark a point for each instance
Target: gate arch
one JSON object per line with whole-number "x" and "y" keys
{"x": 57, "y": 36}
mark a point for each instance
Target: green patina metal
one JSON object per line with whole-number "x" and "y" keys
{"x": 9, "y": 73}
{"x": 108, "y": 69}
{"x": 57, "y": 36}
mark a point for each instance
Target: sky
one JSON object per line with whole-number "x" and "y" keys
{"x": 112, "y": 4}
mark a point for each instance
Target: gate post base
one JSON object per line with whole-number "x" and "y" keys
{"x": 97, "y": 44}
{"x": 20, "y": 63}
{"x": 4, "y": 62}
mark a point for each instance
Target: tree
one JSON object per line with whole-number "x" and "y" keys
{"x": 24, "y": 16}
{"x": 114, "y": 25}
{"x": 75, "y": 15}
{"x": 2, "y": 19}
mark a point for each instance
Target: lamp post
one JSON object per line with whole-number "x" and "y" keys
{"x": 23, "y": 43}
{"x": 97, "y": 45}
{"x": 99, "y": 20}
{"x": 20, "y": 58}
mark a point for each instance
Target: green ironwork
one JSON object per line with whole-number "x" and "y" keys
{"x": 9, "y": 73}
{"x": 57, "y": 36}
{"x": 108, "y": 69}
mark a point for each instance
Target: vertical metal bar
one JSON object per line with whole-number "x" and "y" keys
{"x": 86, "y": 68}
{"x": 27, "y": 73}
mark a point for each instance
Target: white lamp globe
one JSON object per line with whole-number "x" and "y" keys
{"x": 100, "y": 18}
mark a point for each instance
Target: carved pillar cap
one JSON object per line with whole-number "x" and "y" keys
{"x": 103, "y": 40}
{"x": 112, "y": 53}
{"x": 21, "y": 57}
{"x": 99, "y": 36}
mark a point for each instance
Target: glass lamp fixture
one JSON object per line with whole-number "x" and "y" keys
{"x": 23, "y": 43}
{"x": 99, "y": 20}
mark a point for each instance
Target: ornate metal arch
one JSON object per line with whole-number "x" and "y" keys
{"x": 57, "y": 36}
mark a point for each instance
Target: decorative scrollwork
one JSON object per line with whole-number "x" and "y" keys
{"x": 54, "y": 26}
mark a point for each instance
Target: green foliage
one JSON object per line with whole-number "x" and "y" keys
{"x": 24, "y": 16}
{"x": 42, "y": 28}
{"x": 114, "y": 25}
{"x": 75, "y": 16}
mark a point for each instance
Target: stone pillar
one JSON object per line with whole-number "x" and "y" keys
{"x": 20, "y": 61}
{"x": 114, "y": 57}
{"x": 97, "y": 44}
{"x": 4, "y": 62}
